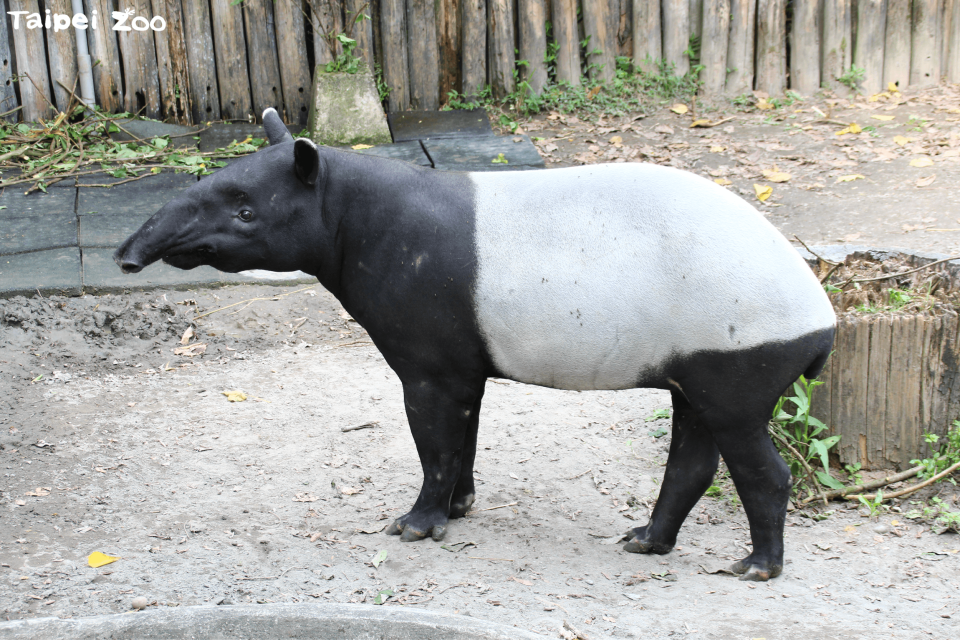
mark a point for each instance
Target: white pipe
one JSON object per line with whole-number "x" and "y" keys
{"x": 84, "y": 64}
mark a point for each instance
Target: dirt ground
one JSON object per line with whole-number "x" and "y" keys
{"x": 110, "y": 441}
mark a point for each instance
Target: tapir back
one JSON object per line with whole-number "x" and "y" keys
{"x": 593, "y": 277}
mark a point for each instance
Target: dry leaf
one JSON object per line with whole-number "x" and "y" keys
{"x": 722, "y": 181}
{"x": 616, "y": 140}
{"x": 21, "y": 503}
{"x": 901, "y": 140}
{"x": 892, "y": 87}
{"x": 703, "y": 122}
{"x": 39, "y": 492}
{"x": 921, "y": 182}
{"x": 662, "y": 128}
{"x": 775, "y": 175}
{"x": 189, "y": 351}
{"x": 187, "y": 336}
{"x": 921, "y": 162}
{"x": 763, "y": 104}
{"x": 717, "y": 149}
{"x": 97, "y": 559}
{"x": 679, "y": 108}
{"x": 235, "y": 396}
{"x": 358, "y": 147}
{"x": 763, "y": 191}
{"x": 850, "y": 178}
{"x": 853, "y": 128}
{"x": 883, "y": 118}
{"x": 521, "y": 581}
{"x": 305, "y": 497}
{"x": 349, "y": 491}
{"x": 593, "y": 92}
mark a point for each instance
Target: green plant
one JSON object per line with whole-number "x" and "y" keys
{"x": 800, "y": 430}
{"x": 853, "y": 470}
{"x": 874, "y": 505}
{"x": 944, "y": 456}
{"x": 659, "y": 414}
{"x": 346, "y": 61}
{"x": 852, "y": 77}
{"x": 383, "y": 89}
{"x": 899, "y": 299}
{"x": 713, "y": 491}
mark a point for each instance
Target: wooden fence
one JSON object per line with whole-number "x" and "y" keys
{"x": 217, "y": 59}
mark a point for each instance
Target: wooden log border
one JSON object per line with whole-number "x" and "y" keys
{"x": 217, "y": 60}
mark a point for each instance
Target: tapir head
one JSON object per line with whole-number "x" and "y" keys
{"x": 258, "y": 213}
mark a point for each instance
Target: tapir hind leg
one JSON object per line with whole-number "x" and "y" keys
{"x": 440, "y": 415}
{"x": 691, "y": 466}
{"x": 464, "y": 492}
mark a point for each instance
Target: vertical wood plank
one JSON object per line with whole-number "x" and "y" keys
{"x": 647, "y": 35}
{"x": 878, "y": 371}
{"x": 105, "y": 56}
{"x": 771, "y": 46}
{"x": 896, "y": 48}
{"x": 821, "y": 405}
{"x": 868, "y": 52}
{"x": 713, "y": 50}
{"x": 855, "y": 343}
{"x": 925, "y": 42}
{"x": 230, "y": 46}
{"x": 568, "y": 45}
{"x": 743, "y": 16}
{"x": 265, "y": 83}
{"x": 835, "y": 50}
{"x": 500, "y": 48}
{"x": 141, "y": 82}
{"x": 531, "y": 20}
{"x": 424, "y": 56}
{"x": 952, "y": 47}
{"x": 950, "y": 388}
{"x": 294, "y": 68}
{"x": 31, "y": 54}
{"x": 913, "y": 364}
{"x": 62, "y": 56}
{"x": 202, "y": 66}
{"x": 676, "y": 34}
{"x": 327, "y": 22}
{"x": 8, "y": 93}
{"x": 896, "y": 384}
{"x": 930, "y": 404}
{"x": 393, "y": 29}
{"x": 805, "y": 47}
{"x": 838, "y": 363}
{"x": 625, "y": 29}
{"x": 448, "y": 43}
{"x": 697, "y": 18}
{"x": 172, "y": 62}
{"x": 473, "y": 51}
{"x": 362, "y": 31}
{"x": 596, "y": 22}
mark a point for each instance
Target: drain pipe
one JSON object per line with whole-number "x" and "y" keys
{"x": 84, "y": 64}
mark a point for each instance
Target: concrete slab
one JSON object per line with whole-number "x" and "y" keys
{"x": 219, "y": 136}
{"x": 270, "y": 277}
{"x": 181, "y": 137}
{"x": 24, "y": 234}
{"x": 128, "y": 205}
{"x": 102, "y": 275}
{"x": 108, "y": 231}
{"x": 478, "y": 153}
{"x": 53, "y": 202}
{"x": 410, "y": 151}
{"x": 432, "y": 125}
{"x": 53, "y": 272}
{"x": 268, "y": 622}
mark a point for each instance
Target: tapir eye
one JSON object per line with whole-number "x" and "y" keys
{"x": 246, "y": 215}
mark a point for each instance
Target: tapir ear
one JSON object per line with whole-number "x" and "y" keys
{"x": 306, "y": 160}
{"x": 276, "y": 131}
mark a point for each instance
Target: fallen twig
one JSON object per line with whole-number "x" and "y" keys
{"x": 817, "y": 256}
{"x": 367, "y": 425}
{"x": 580, "y": 475}
{"x": 491, "y": 559}
{"x": 910, "y": 489}
{"x": 806, "y": 467}
{"x": 512, "y": 504}
{"x": 867, "y": 486}
{"x": 289, "y": 293}
{"x": 904, "y": 273}
{"x": 569, "y": 632}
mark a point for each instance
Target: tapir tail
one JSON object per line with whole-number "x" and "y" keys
{"x": 816, "y": 367}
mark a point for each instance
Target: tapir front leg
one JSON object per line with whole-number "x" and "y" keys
{"x": 440, "y": 414}
{"x": 464, "y": 493}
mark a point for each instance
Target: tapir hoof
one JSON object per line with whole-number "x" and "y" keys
{"x": 750, "y": 572}
{"x": 409, "y": 534}
{"x": 639, "y": 544}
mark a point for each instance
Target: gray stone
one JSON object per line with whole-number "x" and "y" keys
{"x": 426, "y": 125}
{"x": 410, "y": 151}
{"x": 54, "y": 201}
{"x": 23, "y": 234}
{"x": 102, "y": 275}
{"x": 480, "y": 152}
{"x": 268, "y": 622}
{"x": 52, "y": 272}
{"x": 345, "y": 109}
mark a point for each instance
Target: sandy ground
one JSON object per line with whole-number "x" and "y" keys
{"x": 133, "y": 451}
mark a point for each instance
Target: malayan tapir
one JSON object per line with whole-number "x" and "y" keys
{"x": 611, "y": 276}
